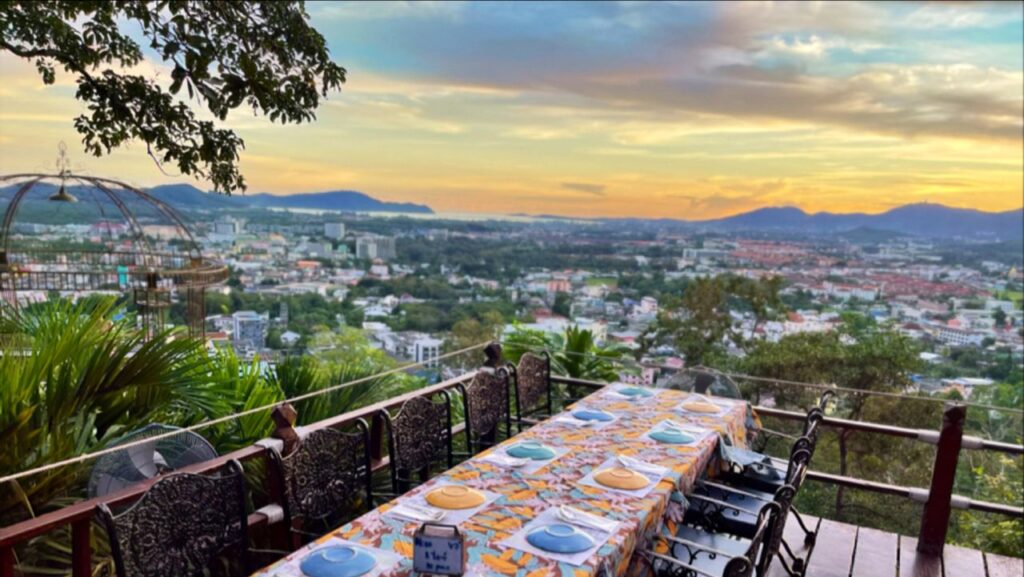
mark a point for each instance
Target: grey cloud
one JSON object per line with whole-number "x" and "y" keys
{"x": 655, "y": 61}
{"x": 589, "y": 188}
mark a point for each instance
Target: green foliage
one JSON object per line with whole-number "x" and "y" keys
{"x": 877, "y": 359}
{"x": 700, "y": 324}
{"x": 226, "y": 54}
{"x": 562, "y": 305}
{"x": 995, "y": 534}
{"x": 471, "y": 331}
{"x": 573, "y": 353}
{"x": 74, "y": 379}
{"x": 297, "y": 376}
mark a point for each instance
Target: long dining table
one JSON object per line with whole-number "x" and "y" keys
{"x": 520, "y": 497}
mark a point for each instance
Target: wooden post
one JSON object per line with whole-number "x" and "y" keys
{"x": 935, "y": 519}
{"x": 493, "y": 353}
{"x": 377, "y": 437}
{"x": 6, "y": 561}
{"x": 81, "y": 548}
{"x": 284, "y": 416}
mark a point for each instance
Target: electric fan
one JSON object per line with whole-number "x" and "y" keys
{"x": 117, "y": 470}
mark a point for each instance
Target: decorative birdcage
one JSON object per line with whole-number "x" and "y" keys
{"x": 128, "y": 243}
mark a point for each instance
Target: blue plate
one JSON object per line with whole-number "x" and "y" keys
{"x": 592, "y": 415}
{"x": 635, "y": 392}
{"x": 530, "y": 450}
{"x": 337, "y": 561}
{"x": 672, "y": 436}
{"x": 560, "y": 538}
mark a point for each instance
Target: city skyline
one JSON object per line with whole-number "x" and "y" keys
{"x": 623, "y": 109}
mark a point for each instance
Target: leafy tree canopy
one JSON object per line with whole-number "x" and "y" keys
{"x": 225, "y": 54}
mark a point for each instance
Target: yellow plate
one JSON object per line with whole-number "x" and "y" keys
{"x": 455, "y": 497}
{"x": 620, "y": 478}
{"x": 701, "y": 407}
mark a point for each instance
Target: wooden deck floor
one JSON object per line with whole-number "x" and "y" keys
{"x": 849, "y": 551}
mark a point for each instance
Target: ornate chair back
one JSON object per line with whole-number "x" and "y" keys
{"x": 533, "y": 384}
{"x": 485, "y": 407}
{"x": 419, "y": 435}
{"x": 327, "y": 472}
{"x": 180, "y": 525}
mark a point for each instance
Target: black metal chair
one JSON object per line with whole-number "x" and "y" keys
{"x": 485, "y": 407}
{"x": 419, "y": 436}
{"x": 760, "y": 441}
{"x": 742, "y": 519}
{"x": 180, "y": 525}
{"x": 764, "y": 473}
{"x": 695, "y": 551}
{"x": 324, "y": 478}
{"x": 532, "y": 378}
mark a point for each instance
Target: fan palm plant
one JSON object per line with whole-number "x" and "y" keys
{"x": 574, "y": 353}
{"x": 300, "y": 375}
{"x": 73, "y": 378}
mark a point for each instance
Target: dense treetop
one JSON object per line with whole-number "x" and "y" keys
{"x": 225, "y": 54}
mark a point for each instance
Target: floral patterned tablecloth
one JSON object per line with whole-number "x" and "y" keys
{"x": 525, "y": 496}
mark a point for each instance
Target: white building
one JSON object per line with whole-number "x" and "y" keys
{"x": 250, "y": 328}
{"x": 649, "y": 306}
{"x": 427, "y": 350}
{"x": 334, "y": 230}
{"x": 290, "y": 338}
{"x": 958, "y": 337}
{"x": 374, "y": 247}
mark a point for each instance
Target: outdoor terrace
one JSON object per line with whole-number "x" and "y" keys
{"x": 840, "y": 550}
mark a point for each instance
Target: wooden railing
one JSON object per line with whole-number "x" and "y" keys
{"x": 79, "y": 515}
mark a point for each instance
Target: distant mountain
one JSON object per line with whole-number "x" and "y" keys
{"x": 344, "y": 200}
{"x": 186, "y": 196}
{"x": 923, "y": 219}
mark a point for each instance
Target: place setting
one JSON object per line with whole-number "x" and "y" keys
{"x": 565, "y": 534}
{"x": 701, "y": 405}
{"x": 446, "y": 503}
{"x": 524, "y": 457}
{"x": 585, "y": 417}
{"x": 622, "y": 392}
{"x": 673, "y": 433}
{"x": 338, "y": 557}
{"x": 625, "y": 475}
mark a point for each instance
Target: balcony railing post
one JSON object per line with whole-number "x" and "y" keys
{"x": 6, "y": 561}
{"x": 81, "y": 548}
{"x": 284, "y": 417}
{"x": 935, "y": 519}
{"x": 377, "y": 437}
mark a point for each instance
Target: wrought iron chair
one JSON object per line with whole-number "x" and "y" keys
{"x": 764, "y": 473}
{"x": 764, "y": 479}
{"x": 323, "y": 478}
{"x": 742, "y": 520}
{"x": 532, "y": 378}
{"x": 180, "y": 525}
{"x": 485, "y": 407}
{"x": 697, "y": 552}
{"x": 419, "y": 435}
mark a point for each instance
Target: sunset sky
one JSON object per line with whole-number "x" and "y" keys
{"x": 681, "y": 110}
